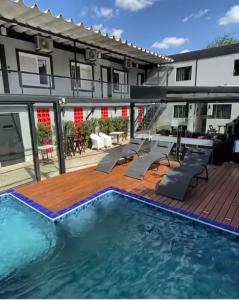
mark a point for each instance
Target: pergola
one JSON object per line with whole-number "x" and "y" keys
{"x": 15, "y": 15}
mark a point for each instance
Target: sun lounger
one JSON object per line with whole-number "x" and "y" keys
{"x": 127, "y": 151}
{"x": 176, "y": 182}
{"x": 140, "y": 166}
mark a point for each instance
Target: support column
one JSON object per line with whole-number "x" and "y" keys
{"x": 76, "y": 79}
{"x": 132, "y": 118}
{"x": 33, "y": 133}
{"x": 59, "y": 137}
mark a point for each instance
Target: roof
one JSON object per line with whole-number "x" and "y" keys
{"x": 31, "y": 21}
{"x": 206, "y": 53}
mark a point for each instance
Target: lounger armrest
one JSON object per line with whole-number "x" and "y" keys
{"x": 136, "y": 152}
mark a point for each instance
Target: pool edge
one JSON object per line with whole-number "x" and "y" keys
{"x": 180, "y": 212}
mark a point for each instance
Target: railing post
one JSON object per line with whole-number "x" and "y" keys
{"x": 50, "y": 78}
{"x": 132, "y": 116}
{"x": 32, "y": 124}
{"x": 59, "y": 137}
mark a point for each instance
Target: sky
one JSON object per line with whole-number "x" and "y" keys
{"x": 163, "y": 26}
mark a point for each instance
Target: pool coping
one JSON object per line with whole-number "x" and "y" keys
{"x": 52, "y": 216}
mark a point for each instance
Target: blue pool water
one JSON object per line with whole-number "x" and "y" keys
{"x": 113, "y": 248}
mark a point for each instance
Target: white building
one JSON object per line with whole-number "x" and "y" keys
{"x": 204, "y": 68}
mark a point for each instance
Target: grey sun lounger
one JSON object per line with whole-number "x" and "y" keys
{"x": 140, "y": 166}
{"x": 176, "y": 182}
{"x": 127, "y": 151}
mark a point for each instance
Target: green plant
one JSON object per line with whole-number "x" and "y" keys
{"x": 69, "y": 128}
{"x": 44, "y": 134}
{"x": 223, "y": 41}
{"x": 86, "y": 128}
{"x": 105, "y": 125}
{"x": 125, "y": 125}
{"x": 116, "y": 124}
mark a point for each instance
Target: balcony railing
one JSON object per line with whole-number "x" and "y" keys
{"x": 28, "y": 83}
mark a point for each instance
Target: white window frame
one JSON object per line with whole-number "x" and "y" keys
{"x": 180, "y": 111}
{"x": 30, "y": 78}
{"x": 178, "y": 78}
{"x": 82, "y": 83}
{"x": 122, "y": 86}
{"x": 218, "y": 111}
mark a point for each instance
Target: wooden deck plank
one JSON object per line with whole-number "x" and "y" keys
{"x": 217, "y": 199}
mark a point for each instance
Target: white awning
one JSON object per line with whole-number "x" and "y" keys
{"x": 31, "y": 21}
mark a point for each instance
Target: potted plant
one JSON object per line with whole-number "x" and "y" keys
{"x": 44, "y": 134}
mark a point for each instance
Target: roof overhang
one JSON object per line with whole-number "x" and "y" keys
{"x": 32, "y": 21}
{"x": 223, "y": 94}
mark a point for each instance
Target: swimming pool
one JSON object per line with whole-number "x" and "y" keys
{"x": 114, "y": 247}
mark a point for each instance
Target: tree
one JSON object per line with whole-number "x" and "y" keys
{"x": 223, "y": 41}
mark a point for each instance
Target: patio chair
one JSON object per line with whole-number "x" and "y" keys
{"x": 140, "y": 166}
{"x": 107, "y": 139}
{"x": 176, "y": 182}
{"x": 97, "y": 141}
{"x": 125, "y": 152}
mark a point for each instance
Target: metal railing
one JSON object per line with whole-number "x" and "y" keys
{"x": 58, "y": 85}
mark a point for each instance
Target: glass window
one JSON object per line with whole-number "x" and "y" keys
{"x": 222, "y": 111}
{"x": 140, "y": 80}
{"x": 236, "y": 68}
{"x": 35, "y": 69}
{"x": 180, "y": 111}
{"x": 183, "y": 74}
{"x": 120, "y": 81}
{"x": 42, "y": 68}
{"x": 83, "y": 77}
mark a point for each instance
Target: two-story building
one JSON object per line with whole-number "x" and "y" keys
{"x": 48, "y": 56}
{"x": 211, "y": 67}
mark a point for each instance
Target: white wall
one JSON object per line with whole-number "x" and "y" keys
{"x": 217, "y": 71}
{"x": 172, "y": 74}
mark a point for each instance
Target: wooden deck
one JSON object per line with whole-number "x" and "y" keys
{"x": 217, "y": 199}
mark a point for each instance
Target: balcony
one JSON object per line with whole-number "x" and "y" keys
{"x": 28, "y": 83}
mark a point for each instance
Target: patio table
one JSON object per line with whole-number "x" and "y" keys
{"x": 45, "y": 149}
{"x": 118, "y": 134}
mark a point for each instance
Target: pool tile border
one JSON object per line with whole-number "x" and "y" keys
{"x": 180, "y": 212}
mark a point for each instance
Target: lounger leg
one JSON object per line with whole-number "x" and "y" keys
{"x": 206, "y": 177}
{"x": 168, "y": 160}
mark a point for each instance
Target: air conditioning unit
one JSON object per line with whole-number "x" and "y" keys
{"x": 91, "y": 54}
{"x": 43, "y": 44}
{"x": 128, "y": 64}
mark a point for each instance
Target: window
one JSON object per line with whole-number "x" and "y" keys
{"x": 42, "y": 67}
{"x": 104, "y": 112}
{"x": 236, "y": 68}
{"x": 35, "y": 69}
{"x": 43, "y": 116}
{"x": 124, "y": 111}
{"x": 184, "y": 73}
{"x": 78, "y": 115}
{"x": 82, "y": 76}
{"x": 120, "y": 81}
{"x": 222, "y": 111}
{"x": 140, "y": 115}
{"x": 180, "y": 111}
{"x": 140, "y": 79}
